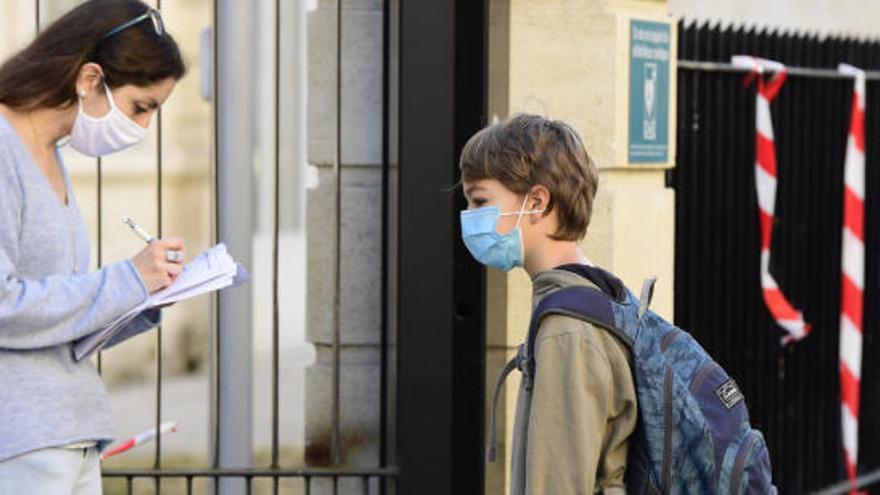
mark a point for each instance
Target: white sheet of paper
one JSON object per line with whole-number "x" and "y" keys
{"x": 212, "y": 270}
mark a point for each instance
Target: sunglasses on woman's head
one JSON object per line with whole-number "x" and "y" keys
{"x": 153, "y": 15}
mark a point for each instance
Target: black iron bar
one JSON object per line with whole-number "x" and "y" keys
{"x": 792, "y": 71}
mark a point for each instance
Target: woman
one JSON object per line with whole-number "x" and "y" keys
{"x": 97, "y": 75}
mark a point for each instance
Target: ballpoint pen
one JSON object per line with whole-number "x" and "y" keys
{"x": 171, "y": 255}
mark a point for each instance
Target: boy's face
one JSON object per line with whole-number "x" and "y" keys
{"x": 490, "y": 192}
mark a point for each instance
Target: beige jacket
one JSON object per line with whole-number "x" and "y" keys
{"x": 571, "y": 430}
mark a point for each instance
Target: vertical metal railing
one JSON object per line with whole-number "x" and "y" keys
{"x": 337, "y": 273}
{"x": 386, "y": 224}
{"x": 234, "y": 103}
{"x": 99, "y": 200}
{"x": 157, "y": 461}
{"x": 215, "y": 326}
{"x": 276, "y": 227}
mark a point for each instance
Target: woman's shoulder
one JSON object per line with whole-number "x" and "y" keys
{"x": 7, "y": 141}
{"x": 10, "y": 179}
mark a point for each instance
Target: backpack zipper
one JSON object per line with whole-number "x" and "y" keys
{"x": 669, "y": 338}
{"x": 702, "y": 374}
{"x": 666, "y": 472}
{"x": 738, "y": 465}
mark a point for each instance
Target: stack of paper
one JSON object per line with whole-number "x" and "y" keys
{"x": 212, "y": 270}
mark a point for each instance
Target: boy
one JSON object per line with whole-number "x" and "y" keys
{"x": 530, "y": 184}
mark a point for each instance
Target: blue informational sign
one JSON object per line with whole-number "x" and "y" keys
{"x": 649, "y": 92}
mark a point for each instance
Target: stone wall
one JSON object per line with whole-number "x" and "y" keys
{"x": 361, "y": 227}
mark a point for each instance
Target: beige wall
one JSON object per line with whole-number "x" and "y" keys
{"x": 568, "y": 60}
{"x": 361, "y": 224}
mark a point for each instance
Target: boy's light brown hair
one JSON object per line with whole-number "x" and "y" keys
{"x": 528, "y": 150}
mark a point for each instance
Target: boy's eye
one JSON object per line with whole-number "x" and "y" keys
{"x": 478, "y": 202}
{"x": 139, "y": 110}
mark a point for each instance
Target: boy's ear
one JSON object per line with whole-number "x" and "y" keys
{"x": 539, "y": 198}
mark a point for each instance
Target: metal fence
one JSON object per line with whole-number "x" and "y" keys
{"x": 793, "y": 392}
{"x": 227, "y": 189}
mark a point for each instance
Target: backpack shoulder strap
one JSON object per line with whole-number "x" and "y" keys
{"x": 515, "y": 363}
{"x": 584, "y": 303}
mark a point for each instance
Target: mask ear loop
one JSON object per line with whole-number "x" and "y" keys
{"x": 111, "y": 103}
{"x": 110, "y": 100}
{"x": 522, "y": 211}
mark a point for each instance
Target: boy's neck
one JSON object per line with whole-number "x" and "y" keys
{"x": 551, "y": 255}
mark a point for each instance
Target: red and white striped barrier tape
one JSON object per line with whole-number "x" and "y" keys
{"x": 766, "y": 173}
{"x": 140, "y": 439}
{"x": 852, "y": 274}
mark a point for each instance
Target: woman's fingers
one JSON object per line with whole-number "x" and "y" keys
{"x": 174, "y": 270}
{"x": 171, "y": 243}
{"x": 153, "y": 266}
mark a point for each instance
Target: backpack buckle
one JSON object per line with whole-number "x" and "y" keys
{"x": 522, "y": 364}
{"x": 646, "y": 296}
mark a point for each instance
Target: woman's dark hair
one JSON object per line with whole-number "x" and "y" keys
{"x": 44, "y": 74}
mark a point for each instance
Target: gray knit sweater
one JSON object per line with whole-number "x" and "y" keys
{"x": 48, "y": 300}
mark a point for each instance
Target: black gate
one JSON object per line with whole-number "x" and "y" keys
{"x": 793, "y": 392}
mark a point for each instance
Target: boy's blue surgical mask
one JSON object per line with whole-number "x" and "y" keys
{"x": 479, "y": 231}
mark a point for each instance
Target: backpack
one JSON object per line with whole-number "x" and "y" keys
{"x": 693, "y": 433}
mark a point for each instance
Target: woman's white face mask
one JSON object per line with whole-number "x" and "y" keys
{"x": 99, "y": 136}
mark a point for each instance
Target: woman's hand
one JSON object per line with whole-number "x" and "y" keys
{"x": 157, "y": 272}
